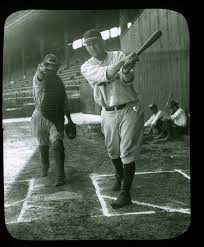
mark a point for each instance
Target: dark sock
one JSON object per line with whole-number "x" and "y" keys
{"x": 118, "y": 167}
{"x": 129, "y": 171}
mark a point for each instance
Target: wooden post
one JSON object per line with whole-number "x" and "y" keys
{"x": 23, "y": 59}
{"x": 66, "y": 49}
{"x": 42, "y": 47}
{"x": 123, "y": 20}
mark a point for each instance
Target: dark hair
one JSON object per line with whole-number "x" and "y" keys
{"x": 173, "y": 103}
{"x": 153, "y": 106}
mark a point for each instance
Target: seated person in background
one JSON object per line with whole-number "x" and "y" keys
{"x": 156, "y": 120}
{"x": 176, "y": 124}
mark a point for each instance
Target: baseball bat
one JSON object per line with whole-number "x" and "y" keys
{"x": 153, "y": 38}
{"x": 167, "y": 104}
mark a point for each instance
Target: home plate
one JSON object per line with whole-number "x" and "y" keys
{"x": 63, "y": 195}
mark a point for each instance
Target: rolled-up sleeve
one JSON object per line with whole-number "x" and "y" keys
{"x": 157, "y": 117}
{"x": 148, "y": 123}
{"x": 176, "y": 114}
{"x": 94, "y": 73}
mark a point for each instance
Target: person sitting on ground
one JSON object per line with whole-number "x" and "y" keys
{"x": 155, "y": 122}
{"x": 176, "y": 125}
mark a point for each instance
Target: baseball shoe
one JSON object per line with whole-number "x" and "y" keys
{"x": 123, "y": 199}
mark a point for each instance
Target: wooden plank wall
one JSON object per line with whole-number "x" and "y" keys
{"x": 163, "y": 67}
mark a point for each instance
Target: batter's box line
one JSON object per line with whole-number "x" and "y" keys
{"x": 104, "y": 208}
{"x": 25, "y": 203}
{"x": 167, "y": 209}
{"x": 23, "y": 221}
{"x": 7, "y": 184}
{"x": 13, "y": 203}
{"x": 146, "y": 172}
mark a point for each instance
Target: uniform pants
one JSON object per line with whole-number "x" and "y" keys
{"x": 123, "y": 131}
{"x": 44, "y": 130}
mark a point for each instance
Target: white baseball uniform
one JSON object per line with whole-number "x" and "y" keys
{"x": 155, "y": 117}
{"x": 123, "y": 129}
{"x": 179, "y": 118}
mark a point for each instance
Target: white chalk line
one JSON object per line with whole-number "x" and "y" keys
{"x": 177, "y": 201}
{"x": 36, "y": 206}
{"x": 25, "y": 204}
{"x": 13, "y": 203}
{"x": 183, "y": 173}
{"x": 168, "y": 209}
{"x": 137, "y": 173}
{"x": 100, "y": 198}
{"x": 130, "y": 213}
{"x": 8, "y": 184}
{"x": 23, "y": 221}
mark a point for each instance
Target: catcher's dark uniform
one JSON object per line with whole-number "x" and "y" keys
{"x": 43, "y": 129}
{"x": 47, "y": 122}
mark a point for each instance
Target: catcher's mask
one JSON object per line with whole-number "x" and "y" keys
{"x": 51, "y": 62}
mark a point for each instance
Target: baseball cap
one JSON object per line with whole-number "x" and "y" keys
{"x": 51, "y": 59}
{"x": 152, "y": 106}
{"x": 92, "y": 34}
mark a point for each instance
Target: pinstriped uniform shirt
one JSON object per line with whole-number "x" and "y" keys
{"x": 114, "y": 92}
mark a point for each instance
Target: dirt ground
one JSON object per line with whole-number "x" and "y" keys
{"x": 36, "y": 210}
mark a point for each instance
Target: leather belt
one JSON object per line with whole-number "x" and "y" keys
{"x": 113, "y": 108}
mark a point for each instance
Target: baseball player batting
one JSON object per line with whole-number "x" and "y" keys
{"x": 47, "y": 122}
{"x": 111, "y": 77}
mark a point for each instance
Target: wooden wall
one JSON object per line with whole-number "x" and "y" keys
{"x": 163, "y": 67}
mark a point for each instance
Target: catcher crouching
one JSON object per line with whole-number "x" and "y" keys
{"x": 47, "y": 122}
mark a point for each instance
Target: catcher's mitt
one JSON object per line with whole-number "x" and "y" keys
{"x": 70, "y": 130}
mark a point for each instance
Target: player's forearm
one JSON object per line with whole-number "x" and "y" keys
{"x": 41, "y": 72}
{"x": 68, "y": 115}
{"x": 40, "y": 75}
{"x": 113, "y": 70}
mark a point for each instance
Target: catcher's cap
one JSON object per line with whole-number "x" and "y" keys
{"x": 51, "y": 59}
{"x": 92, "y": 35}
{"x": 151, "y": 106}
{"x": 173, "y": 103}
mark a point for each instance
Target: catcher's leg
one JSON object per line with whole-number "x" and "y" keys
{"x": 119, "y": 174}
{"x": 44, "y": 153}
{"x": 40, "y": 129}
{"x": 124, "y": 197}
{"x": 59, "y": 157}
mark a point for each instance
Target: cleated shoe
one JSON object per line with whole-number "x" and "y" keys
{"x": 123, "y": 199}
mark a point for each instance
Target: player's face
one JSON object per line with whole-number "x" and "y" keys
{"x": 95, "y": 47}
{"x": 51, "y": 66}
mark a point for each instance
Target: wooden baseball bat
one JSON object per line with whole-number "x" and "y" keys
{"x": 153, "y": 38}
{"x": 168, "y": 101}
